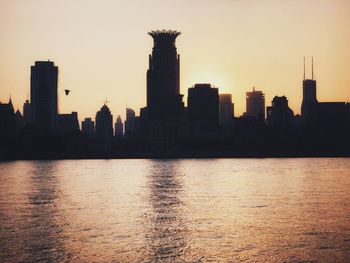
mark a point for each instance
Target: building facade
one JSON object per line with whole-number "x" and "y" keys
{"x": 88, "y": 127}
{"x": 119, "y": 127}
{"x": 255, "y": 104}
{"x": 104, "y": 126}
{"x": 68, "y": 122}
{"x": 164, "y": 100}
{"x": 226, "y": 110}
{"x": 43, "y": 93}
{"x": 7, "y": 123}
{"x": 27, "y": 112}
{"x": 130, "y": 121}
{"x": 279, "y": 115}
{"x": 203, "y": 108}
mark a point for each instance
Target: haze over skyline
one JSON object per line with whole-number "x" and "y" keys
{"x": 102, "y": 48}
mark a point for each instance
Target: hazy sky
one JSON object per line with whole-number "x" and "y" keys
{"x": 101, "y": 48}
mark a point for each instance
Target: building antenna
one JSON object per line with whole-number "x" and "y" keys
{"x": 304, "y": 67}
{"x": 312, "y": 67}
{"x": 106, "y": 101}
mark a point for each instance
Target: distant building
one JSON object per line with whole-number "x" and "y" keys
{"x": 203, "y": 108}
{"x": 43, "y": 92}
{"x": 226, "y": 110}
{"x": 144, "y": 121}
{"x": 7, "y": 123}
{"x": 27, "y": 112}
{"x": 130, "y": 121}
{"x": 20, "y": 122}
{"x": 309, "y": 96}
{"x": 308, "y": 106}
{"x": 255, "y": 104}
{"x": 332, "y": 115}
{"x": 119, "y": 128}
{"x": 348, "y": 116}
{"x": 88, "y": 127}
{"x": 279, "y": 115}
{"x": 104, "y": 126}
{"x": 68, "y": 122}
{"x": 321, "y": 115}
{"x": 137, "y": 125}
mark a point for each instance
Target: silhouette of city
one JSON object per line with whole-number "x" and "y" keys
{"x": 164, "y": 128}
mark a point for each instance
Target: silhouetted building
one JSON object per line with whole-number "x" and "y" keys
{"x": 137, "y": 124}
{"x": 279, "y": 115}
{"x": 88, "y": 127}
{"x": 203, "y": 108}
{"x": 323, "y": 115}
{"x": 43, "y": 92}
{"x": 308, "y": 107}
{"x": 119, "y": 128}
{"x": 255, "y": 104}
{"x": 19, "y": 120}
{"x": 162, "y": 122}
{"x": 130, "y": 121}
{"x": 7, "y": 123}
{"x": 68, "y": 122}
{"x": 226, "y": 110}
{"x": 144, "y": 122}
{"x": 348, "y": 116}
{"x": 27, "y": 112}
{"x": 309, "y": 103}
{"x": 331, "y": 115}
{"x": 163, "y": 77}
{"x": 309, "y": 95}
{"x": 104, "y": 126}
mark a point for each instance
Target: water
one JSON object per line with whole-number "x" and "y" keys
{"x": 208, "y": 210}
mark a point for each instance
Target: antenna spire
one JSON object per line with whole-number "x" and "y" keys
{"x": 106, "y": 101}
{"x": 312, "y": 67}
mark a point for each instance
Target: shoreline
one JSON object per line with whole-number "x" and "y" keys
{"x": 262, "y": 154}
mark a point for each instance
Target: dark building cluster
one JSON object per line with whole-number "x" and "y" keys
{"x": 165, "y": 127}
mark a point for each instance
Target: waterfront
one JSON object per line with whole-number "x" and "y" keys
{"x": 191, "y": 210}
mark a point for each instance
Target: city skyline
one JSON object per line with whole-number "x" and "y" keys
{"x": 219, "y": 59}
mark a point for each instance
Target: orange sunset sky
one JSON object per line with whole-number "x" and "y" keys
{"x": 102, "y": 47}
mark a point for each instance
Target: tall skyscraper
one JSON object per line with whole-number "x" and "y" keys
{"x": 119, "y": 132}
{"x": 164, "y": 100}
{"x": 203, "y": 108}
{"x": 226, "y": 109}
{"x": 309, "y": 103}
{"x": 43, "y": 93}
{"x": 88, "y": 127}
{"x": 255, "y": 104}
{"x": 104, "y": 126}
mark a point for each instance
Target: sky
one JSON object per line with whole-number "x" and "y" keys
{"x": 101, "y": 48}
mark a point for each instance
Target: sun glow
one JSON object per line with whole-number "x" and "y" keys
{"x": 210, "y": 75}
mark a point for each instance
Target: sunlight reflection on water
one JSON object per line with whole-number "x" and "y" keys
{"x": 239, "y": 210}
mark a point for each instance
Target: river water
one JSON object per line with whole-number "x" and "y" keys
{"x": 191, "y": 210}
